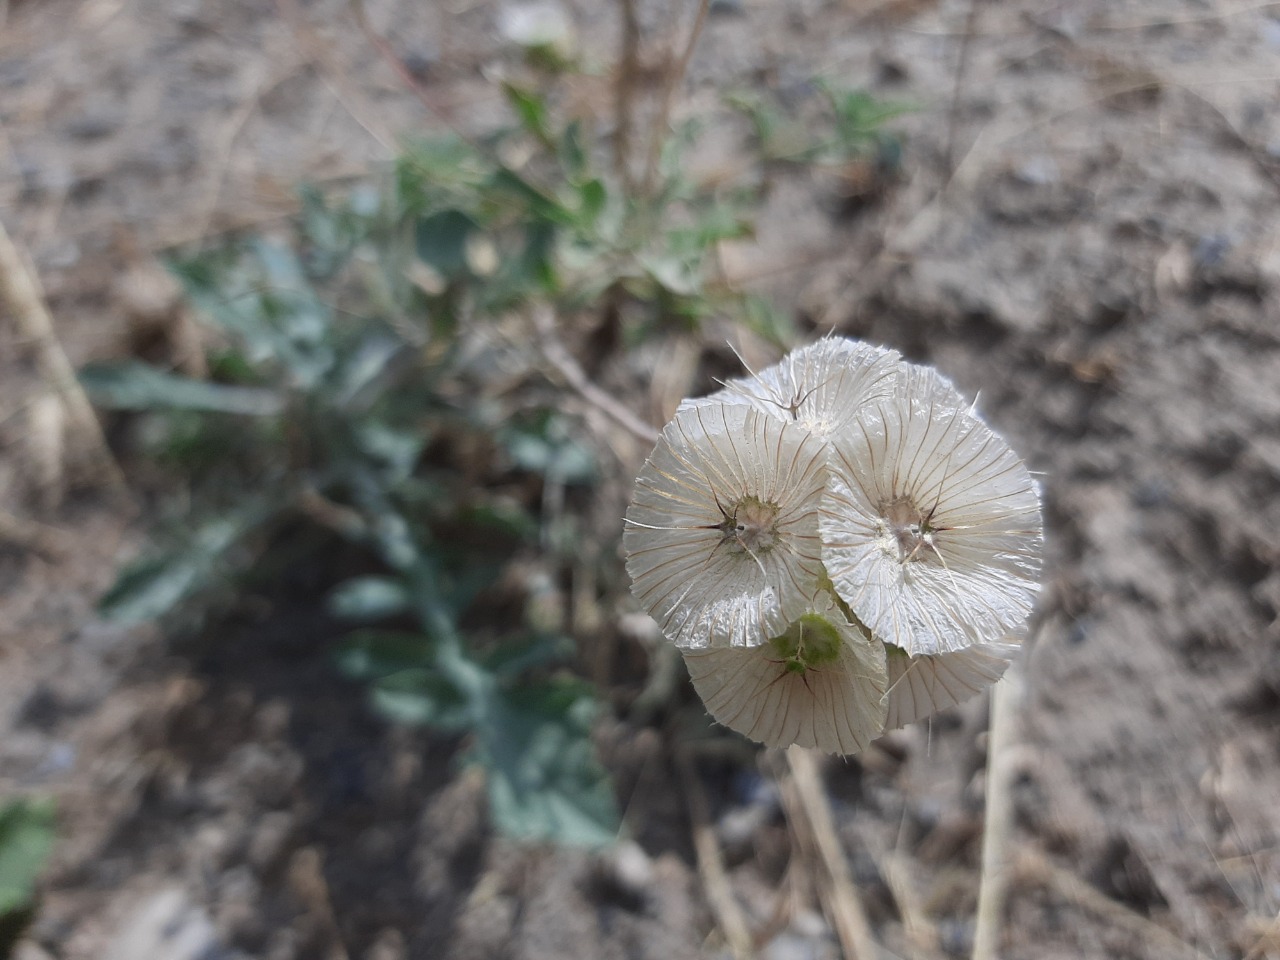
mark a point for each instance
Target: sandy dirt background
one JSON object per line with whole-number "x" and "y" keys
{"x": 1086, "y": 236}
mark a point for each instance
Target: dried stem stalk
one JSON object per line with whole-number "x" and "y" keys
{"x": 624, "y": 94}
{"x": 729, "y": 915}
{"x": 994, "y": 883}
{"x": 20, "y": 292}
{"x": 809, "y": 814}
{"x": 559, "y": 357}
{"x": 676, "y": 74}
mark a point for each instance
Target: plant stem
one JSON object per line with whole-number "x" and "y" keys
{"x": 624, "y": 94}
{"x": 658, "y": 133}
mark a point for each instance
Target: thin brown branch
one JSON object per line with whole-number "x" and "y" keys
{"x": 729, "y": 916}
{"x": 921, "y": 932}
{"x": 962, "y": 67}
{"x": 809, "y": 815}
{"x": 558, "y": 356}
{"x": 383, "y": 46}
{"x": 20, "y": 292}
{"x": 624, "y": 94}
{"x": 49, "y": 542}
{"x": 321, "y": 54}
{"x": 675, "y": 75}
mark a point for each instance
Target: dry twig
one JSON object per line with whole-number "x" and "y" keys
{"x": 809, "y": 816}
{"x": 624, "y": 93}
{"x": 334, "y": 73}
{"x": 729, "y": 915}
{"x": 999, "y": 809}
{"x": 921, "y": 932}
{"x": 675, "y": 74}
{"x": 20, "y": 292}
{"x": 49, "y": 542}
{"x": 559, "y": 357}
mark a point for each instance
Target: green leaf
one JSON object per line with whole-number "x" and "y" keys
{"x": 544, "y": 780}
{"x": 592, "y": 197}
{"x": 511, "y": 660}
{"x": 369, "y": 598}
{"x": 154, "y": 586}
{"x": 421, "y": 697}
{"x": 674, "y": 274}
{"x": 573, "y": 155}
{"x": 139, "y": 386}
{"x": 545, "y": 445}
{"x": 537, "y": 262}
{"x": 765, "y": 319}
{"x": 373, "y": 654}
{"x": 441, "y": 241}
{"x": 538, "y": 204}
{"x": 530, "y": 108}
{"x": 26, "y": 840}
{"x": 398, "y": 450}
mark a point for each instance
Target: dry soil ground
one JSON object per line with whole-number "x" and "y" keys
{"x": 1086, "y": 234}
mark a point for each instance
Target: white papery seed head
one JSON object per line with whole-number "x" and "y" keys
{"x": 822, "y": 386}
{"x": 722, "y": 535}
{"x": 820, "y": 683}
{"x": 931, "y": 525}
{"x": 921, "y": 686}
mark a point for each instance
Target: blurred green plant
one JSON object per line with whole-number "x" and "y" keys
{"x": 362, "y": 381}
{"x": 847, "y": 133}
{"x": 26, "y": 840}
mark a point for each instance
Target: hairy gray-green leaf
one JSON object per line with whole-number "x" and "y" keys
{"x": 369, "y": 598}
{"x": 544, "y": 780}
{"x": 26, "y": 840}
{"x": 153, "y": 586}
{"x": 140, "y": 386}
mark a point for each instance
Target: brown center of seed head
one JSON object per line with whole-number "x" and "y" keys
{"x": 908, "y": 525}
{"x": 751, "y": 524}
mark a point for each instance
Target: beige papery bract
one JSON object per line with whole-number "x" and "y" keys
{"x": 821, "y": 386}
{"x": 819, "y": 684}
{"x": 722, "y": 536}
{"x": 921, "y": 686}
{"x": 931, "y": 525}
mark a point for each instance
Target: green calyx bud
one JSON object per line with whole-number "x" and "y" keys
{"x": 811, "y": 641}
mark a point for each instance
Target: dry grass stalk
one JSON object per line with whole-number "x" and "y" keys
{"x": 728, "y": 913}
{"x": 307, "y": 880}
{"x": 46, "y": 448}
{"x": 992, "y": 892}
{"x": 20, "y": 292}
{"x": 809, "y": 816}
{"x": 558, "y": 356}
{"x": 320, "y": 53}
{"x": 921, "y": 932}
{"x": 49, "y": 542}
{"x": 624, "y": 93}
{"x": 675, "y": 74}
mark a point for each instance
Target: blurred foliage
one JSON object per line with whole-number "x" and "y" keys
{"x": 354, "y": 357}
{"x": 26, "y": 840}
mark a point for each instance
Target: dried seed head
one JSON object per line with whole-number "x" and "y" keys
{"x": 921, "y": 686}
{"x": 722, "y": 535}
{"x": 821, "y": 683}
{"x": 931, "y": 525}
{"x": 822, "y": 387}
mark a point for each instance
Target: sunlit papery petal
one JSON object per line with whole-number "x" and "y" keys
{"x": 837, "y": 706}
{"x": 931, "y": 525}
{"x": 722, "y": 535}
{"x": 921, "y": 686}
{"x": 821, "y": 386}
